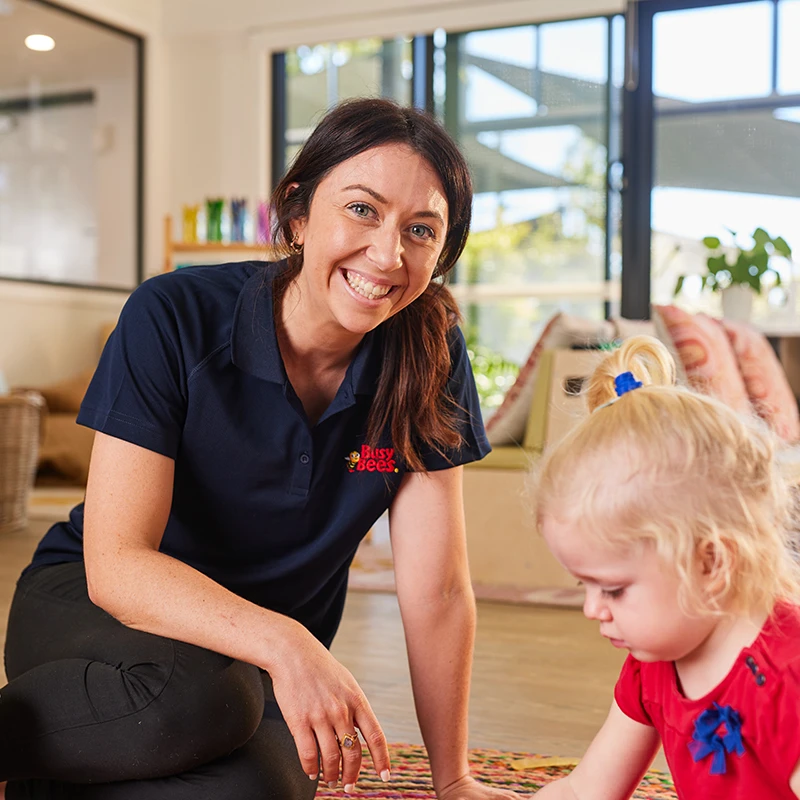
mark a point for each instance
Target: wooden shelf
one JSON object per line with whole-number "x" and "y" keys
{"x": 265, "y": 252}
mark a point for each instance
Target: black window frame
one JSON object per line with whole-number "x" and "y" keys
{"x": 638, "y": 141}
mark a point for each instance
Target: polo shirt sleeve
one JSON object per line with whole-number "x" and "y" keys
{"x": 628, "y": 692}
{"x": 138, "y": 392}
{"x": 461, "y": 388}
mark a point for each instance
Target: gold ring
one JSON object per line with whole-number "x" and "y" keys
{"x": 348, "y": 741}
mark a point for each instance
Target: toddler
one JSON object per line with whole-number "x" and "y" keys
{"x": 669, "y": 508}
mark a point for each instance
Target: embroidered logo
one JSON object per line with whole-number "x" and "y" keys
{"x": 369, "y": 459}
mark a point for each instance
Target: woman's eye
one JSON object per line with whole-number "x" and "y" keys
{"x": 360, "y": 209}
{"x": 614, "y": 594}
{"x": 422, "y": 232}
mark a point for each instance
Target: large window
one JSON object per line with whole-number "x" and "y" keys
{"x": 532, "y": 109}
{"x": 535, "y": 109}
{"x": 719, "y": 116}
{"x": 70, "y": 148}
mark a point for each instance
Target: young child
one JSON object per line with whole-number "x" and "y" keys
{"x": 669, "y": 508}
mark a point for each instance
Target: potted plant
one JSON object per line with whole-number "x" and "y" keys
{"x": 740, "y": 278}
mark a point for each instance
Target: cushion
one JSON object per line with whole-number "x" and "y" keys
{"x": 625, "y": 328}
{"x": 507, "y": 424}
{"x": 706, "y": 355}
{"x": 764, "y": 379}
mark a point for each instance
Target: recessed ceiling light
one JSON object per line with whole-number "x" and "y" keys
{"x": 38, "y": 41}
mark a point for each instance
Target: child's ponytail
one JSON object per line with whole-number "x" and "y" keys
{"x": 645, "y": 357}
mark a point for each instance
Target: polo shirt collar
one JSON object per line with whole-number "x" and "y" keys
{"x": 254, "y": 343}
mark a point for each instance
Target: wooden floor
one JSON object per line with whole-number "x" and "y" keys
{"x": 542, "y": 680}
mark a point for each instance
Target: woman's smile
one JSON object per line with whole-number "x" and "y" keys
{"x": 367, "y": 287}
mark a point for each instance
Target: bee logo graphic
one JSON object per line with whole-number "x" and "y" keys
{"x": 352, "y": 460}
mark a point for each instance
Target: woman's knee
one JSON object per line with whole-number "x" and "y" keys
{"x": 215, "y": 694}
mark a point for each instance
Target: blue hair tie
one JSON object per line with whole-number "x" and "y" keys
{"x": 625, "y": 382}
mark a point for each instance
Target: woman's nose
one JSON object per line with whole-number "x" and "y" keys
{"x": 385, "y": 249}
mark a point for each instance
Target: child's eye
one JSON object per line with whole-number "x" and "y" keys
{"x": 614, "y": 594}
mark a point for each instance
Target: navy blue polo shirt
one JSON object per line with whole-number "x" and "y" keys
{"x": 263, "y": 503}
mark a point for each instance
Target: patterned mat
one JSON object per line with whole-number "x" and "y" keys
{"x": 518, "y": 772}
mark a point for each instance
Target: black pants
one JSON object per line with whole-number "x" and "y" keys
{"x": 95, "y": 710}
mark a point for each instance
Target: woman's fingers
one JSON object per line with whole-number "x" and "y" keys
{"x": 307, "y": 749}
{"x": 330, "y": 755}
{"x": 370, "y": 728}
{"x": 350, "y": 746}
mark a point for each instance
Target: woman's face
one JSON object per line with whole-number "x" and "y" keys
{"x": 372, "y": 238}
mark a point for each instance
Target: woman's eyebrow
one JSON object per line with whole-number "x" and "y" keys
{"x": 381, "y": 199}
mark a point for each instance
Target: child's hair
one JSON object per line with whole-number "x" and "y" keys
{"x": 665, "y": 466}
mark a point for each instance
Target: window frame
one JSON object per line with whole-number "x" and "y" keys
{"x": 638, "y": 141}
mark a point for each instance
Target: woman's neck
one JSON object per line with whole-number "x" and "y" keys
{"x": 304, "y": 340}
{"x": 708, "y": 665}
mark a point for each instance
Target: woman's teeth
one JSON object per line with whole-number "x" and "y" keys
{"x": 366, "y": 288}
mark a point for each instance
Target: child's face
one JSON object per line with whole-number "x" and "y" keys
{"x": 632, "y": 593}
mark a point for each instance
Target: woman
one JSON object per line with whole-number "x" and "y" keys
{"x": 170, "y": 640}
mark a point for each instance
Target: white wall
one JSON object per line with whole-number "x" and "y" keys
{"x": 51, "y": 333}
{"x": 48, "y": 333}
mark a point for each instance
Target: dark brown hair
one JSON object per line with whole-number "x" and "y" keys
{"x": 411, "y": 396}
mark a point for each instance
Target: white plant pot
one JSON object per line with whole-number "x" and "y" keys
{"x": 737, "y": 302}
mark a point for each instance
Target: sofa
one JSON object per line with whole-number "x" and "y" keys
{"x": 64, "y": 446}
{"x": 729, "y": 360}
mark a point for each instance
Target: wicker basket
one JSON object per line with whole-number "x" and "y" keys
{"x": 20, "y": 416}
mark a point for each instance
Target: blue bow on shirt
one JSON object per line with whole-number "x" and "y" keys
{"x": 706, "y": 740}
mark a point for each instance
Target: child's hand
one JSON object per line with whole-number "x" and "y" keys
{"x": 469, "y": 789}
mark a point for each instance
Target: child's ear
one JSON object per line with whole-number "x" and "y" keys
{"x": 716, "y": 566}
{"x": 708, "y": 558}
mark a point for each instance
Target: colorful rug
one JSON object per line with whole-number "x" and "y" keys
{"x": 518, "y": 772}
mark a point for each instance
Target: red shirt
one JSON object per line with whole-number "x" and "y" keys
{"x": 763, "y": 687}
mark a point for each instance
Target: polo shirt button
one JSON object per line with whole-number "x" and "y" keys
{"x": 304, "y": 459}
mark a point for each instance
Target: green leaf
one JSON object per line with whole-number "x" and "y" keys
{"x": 740, "y": 271}
{"x": 716, "y": 263}
{"x": 711, "y": 242}
{"x": 760, "y": 260}
{"x": 678, "y": 285}
{"x": 761, "y": 237}
{"x": 782, "y": 247}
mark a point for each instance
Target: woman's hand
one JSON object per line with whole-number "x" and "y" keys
{"x": 468, "y": 788}
{"x": 320, "y": 701}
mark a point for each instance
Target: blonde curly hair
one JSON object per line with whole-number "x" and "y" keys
{"x": 665, "y": 466}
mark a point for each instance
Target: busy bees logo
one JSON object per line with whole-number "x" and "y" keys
{"x": 371, "y": 459}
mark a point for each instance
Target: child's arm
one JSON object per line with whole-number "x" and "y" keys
{"x": 794, "y": 781}
{"x": 613, "y": 765}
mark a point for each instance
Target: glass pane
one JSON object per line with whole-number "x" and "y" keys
{"x": 320, "y": 76}
{"x": 68, "y": 150}
{"x": 719, "y": 53}
{"x": 501, "y": 333}
{"x": 720, "y": 172}
{"x": 531, "y": 118}
{"x": 788, "y": 52}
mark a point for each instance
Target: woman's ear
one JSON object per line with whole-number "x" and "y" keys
{"x": 298, "y": 228}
